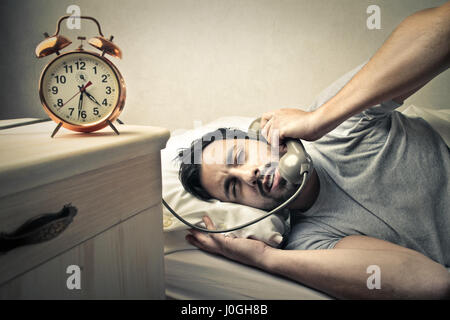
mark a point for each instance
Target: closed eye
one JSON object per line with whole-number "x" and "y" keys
{"x": 231, "y": 182}
{"x": 230, "y": 187}
{"x": 233, "y": 187}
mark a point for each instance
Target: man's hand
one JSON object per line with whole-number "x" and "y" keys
{"x": 247, "y": 251}
{"x": 289, "y": 123}
{"x": 340, "y": 272}
{"x": 415, "y": 52}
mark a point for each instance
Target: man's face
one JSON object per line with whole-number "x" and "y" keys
{"x": 244, "y": 171}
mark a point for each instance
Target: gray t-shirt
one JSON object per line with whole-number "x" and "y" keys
{"x": 382, "y": 175}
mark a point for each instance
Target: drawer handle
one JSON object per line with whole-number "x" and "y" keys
{"x": 38, "y": 229}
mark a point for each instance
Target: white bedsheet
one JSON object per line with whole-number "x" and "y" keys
{"x": 193, "y": 274}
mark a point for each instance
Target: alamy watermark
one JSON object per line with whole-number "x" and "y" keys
{"x": 74, "y": 22}
{"x": 374, "y": 19}
{"x": 73, "y": 282}
{"x": 374, "y": 280}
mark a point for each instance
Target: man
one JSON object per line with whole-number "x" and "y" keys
{"x": 379, "y": 194}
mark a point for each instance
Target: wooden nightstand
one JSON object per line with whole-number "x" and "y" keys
{"x": 113, "y": 247}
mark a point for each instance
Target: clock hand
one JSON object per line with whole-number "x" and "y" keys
{"x": 86, "y": 85}
{"x": 80, "y": 102}
{"x": 79, "y": 91}
{"x": 91, "y": 97}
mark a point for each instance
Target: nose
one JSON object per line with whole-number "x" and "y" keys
{"x": 247, "y": 174}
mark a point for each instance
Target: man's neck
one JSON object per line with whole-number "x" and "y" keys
{"x": 309, "y": 195}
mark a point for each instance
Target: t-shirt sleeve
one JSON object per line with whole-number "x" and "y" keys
{"x": 380, "y": 110}
{"x": 361, "y": 121}
{"x": 311, "y": 236}
{"x": 330, "y": 91}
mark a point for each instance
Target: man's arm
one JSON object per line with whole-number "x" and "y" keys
{"x": 416, "y": 52}
{"x": 340, "y": 272}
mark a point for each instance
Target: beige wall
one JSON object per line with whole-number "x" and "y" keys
{"x": 188, "y": 60}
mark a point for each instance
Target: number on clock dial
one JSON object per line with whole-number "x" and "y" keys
{"x": 62, "y": 82}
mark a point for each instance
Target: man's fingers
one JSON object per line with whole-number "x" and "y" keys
{"x": 208, "y": 222}
{"x": 210, "y": 226}
{"x": 201, "y": 240}
{"x": 265, "y": 118}
{"x": 205, "y": 241}
{"x": 199, "y": 235}
{"x": 193, "y": 240}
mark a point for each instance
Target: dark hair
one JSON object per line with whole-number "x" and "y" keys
{"x": 189, "y": 173}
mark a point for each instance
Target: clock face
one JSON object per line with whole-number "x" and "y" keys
{"x": 80, "y": 88}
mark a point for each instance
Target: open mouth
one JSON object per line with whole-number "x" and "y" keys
{"x": 270, "y": 181}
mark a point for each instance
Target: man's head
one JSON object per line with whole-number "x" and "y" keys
{"x": 234, "y": 166}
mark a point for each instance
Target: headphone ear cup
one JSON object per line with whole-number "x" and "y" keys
{"x": 51, "y": 45}
{"x": 106, "y": 46}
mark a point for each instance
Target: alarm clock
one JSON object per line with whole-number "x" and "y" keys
{"x": 81, "y": 90}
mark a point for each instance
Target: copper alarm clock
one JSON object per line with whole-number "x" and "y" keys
{"x": 81, "y": 90}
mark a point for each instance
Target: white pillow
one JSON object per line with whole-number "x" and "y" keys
{"x": 271, "y": 230}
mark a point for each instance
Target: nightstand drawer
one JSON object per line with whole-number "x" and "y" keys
{"x": 103, "y": 197}
{"x": 124, "y": 262}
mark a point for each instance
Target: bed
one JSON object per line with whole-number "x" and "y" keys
{"x": 194, "y": 274}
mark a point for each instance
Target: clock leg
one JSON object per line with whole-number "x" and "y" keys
{"x": 119, "y": 121}
{"x": 56, "y": 129}
{"x": 112, "y": 127}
